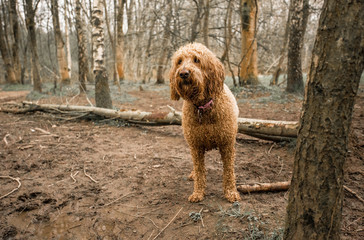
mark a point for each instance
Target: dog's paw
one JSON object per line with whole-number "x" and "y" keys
{"x": 191, "y": 177}
{"x": 232, "y": 195}
{"x": 196, "y": 197}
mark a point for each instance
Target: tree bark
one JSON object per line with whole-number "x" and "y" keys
{"x": 316, "y": 195}
{"x": 164, "y": 46}
{"x": 206, "y": 23}
{"x": 102, "y": 90}
{"x": 119, "y": 41}
{"x": 278, "y": 70}
{"x": 264, "y": 187}
{"x": 61, "y": 54}
{"x": 298, "y": 22}
{"x": 15, "y": 45}
{"x": 10, "y": 73}
{"x": 67, "y": 26}
{"x": 30, "y": 15}
{"x": 248, "y": 74}
{"x": 82, "y": 49}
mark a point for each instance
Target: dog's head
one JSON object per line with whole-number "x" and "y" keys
{"x": 196, "y": 73}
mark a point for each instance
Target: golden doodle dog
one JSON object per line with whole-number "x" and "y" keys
{"x": 210, "y": 114}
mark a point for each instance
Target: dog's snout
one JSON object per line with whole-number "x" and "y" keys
{"x": 184, "y": 74}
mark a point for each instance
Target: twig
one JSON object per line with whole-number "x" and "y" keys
{"x": 280, "y": 171}
{"x": 201, "y": 218}
{"x": 87, "y": 175}
{"x": 116, "y": 200}
{"x": 168, "y": 224}
{"x": 73, "y": 176}
{"x": 6, "y": 142}
{"x": 354, "y": 193}
{"x": 270, "y": 149}
{"x": 15, "y": 179}
{"x": 151, "y": 234}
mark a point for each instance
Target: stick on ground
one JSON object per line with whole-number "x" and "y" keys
{"x": 15, "y": 179}
{"x": 168, "y": 224}
{"x": 264, "y": 187}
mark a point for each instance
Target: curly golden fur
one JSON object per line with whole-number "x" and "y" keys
{"x": 210, "y": 114}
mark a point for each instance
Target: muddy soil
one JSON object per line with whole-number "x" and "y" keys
{"x": 105, "y": 179}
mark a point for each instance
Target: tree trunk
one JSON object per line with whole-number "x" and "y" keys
{"x": 196, "y": 20}
{"x": 316, "y": 194}
{"x": 119, "y": 41}
{"x": 248, "y": 65}
{"x": 206, "y": 23}
{"x": 102, "y": 90}
{"x": 278, "y": 70}
{"x": 164, "y": 46}
{"x": 15, "y": 45}
{"x": 67, "y": 25}
{"x": 82, "y": 49}
{"x": 298, "y": 19}
{"x": 10, "y": 73}
{"x": 61, "y": 54}
{"x": 30, "y": 15}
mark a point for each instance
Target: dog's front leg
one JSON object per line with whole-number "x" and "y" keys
{"x": 199, "y": 185}
{"x": 228, "y": 159}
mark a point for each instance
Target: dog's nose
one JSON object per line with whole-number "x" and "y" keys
{"x": 184, "y": 73}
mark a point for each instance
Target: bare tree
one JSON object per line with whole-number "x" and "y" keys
{"x": 119, "y": 40}
{"x": 67, "y": 26}
{"x": 316, "y": 193}
{"x": 298, "y": 22}
{"x": 15, "y": 46}
{"x": 82, "y": 50}
{"x": 102, "y": 90}
{"x": 166, "y": 35}
{"x": 206, "y": 23}
{"x": 248, "y": 65}
{"x": 30, "y": 15}
{"x": 61, "y": 54}
{"x": 10, "y": 73}
{"x": 282, "y": 53}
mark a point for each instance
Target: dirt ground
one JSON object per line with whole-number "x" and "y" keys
{"x": 107, "y": 179}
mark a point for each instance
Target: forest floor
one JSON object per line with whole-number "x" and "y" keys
{"x": 107, "y": 179}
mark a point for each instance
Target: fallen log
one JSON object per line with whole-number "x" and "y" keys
{"x": 264, "y": 187}
{"x": 279, "y": 186}
{"x": 264, "y": 129}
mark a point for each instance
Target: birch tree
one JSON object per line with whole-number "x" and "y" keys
{"x": 82, "y": 49}
{"x": 102, "y": 90}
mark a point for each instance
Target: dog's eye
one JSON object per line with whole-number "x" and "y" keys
{"x": 196, "y": 60}
{"x": 179, "y": 62}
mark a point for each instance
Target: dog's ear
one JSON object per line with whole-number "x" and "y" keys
{"x": 215, "y": 78}
{"x": 172, "y": 84}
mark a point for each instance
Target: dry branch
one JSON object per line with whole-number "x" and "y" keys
{"x": 264, "y": 129}
{"x": 279, "y": 186}
{"x": 168, "y": 224}
{"x": 264, "y": 187}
